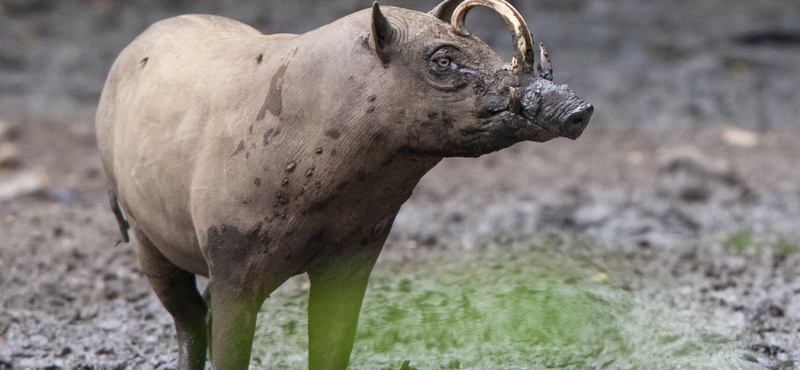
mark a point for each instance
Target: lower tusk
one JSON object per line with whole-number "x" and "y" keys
{"x": 544, "y": 69}
{"x": 514, "y": 105}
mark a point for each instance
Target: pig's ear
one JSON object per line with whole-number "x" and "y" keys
{"x": 444, "y": 10}
{"x": 382, "y": 33}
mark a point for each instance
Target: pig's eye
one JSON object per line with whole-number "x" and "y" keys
{"x": 444, "y": 71}
{"x": 444, "y": 63}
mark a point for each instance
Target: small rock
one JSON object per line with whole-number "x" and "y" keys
{"x": 110, "y": 324}
{"x": 38, "y": 341}
{"x": 689, "y": 175}
{"x": 9, "y": 155}
{"x": 23, "y": 183}
{"x": 106, "y": 351}
{"x": 592, "y": 215}
{"x": 64, "y": 351}
{"x": 691, "y": 160}
{"x": 735, "y": 136}
{"x": 63, "y": 195}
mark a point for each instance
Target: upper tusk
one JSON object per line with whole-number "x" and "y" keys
{"x": 523, "y": 41}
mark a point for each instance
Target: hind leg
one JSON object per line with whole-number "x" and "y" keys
{"x": 177, "y": 290}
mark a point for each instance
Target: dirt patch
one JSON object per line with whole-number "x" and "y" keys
{"x": 622, "y": 204}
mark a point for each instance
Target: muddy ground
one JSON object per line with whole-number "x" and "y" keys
{"x": 664, "y": 197}
{"x": 715, "y": 233}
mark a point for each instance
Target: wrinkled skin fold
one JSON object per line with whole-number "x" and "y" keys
{"x": 249, "y": 159}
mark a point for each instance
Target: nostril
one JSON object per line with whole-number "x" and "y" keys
{"x": 575, "y": 122}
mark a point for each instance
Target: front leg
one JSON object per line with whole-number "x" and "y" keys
{"x": 337, "y": 290}
{"x": 233, "y": 312}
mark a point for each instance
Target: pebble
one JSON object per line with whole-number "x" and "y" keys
{"x": 23, "y": 183}
{"x": 592, "y": 215}
{"x": 110, "y": 324}
{"x": 9, "y": 155}
{"x": 38, "y": 341}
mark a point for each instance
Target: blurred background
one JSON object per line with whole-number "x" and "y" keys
{"x": 644, "y": 64}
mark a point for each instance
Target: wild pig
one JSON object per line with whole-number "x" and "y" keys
{"x": 249, "y": 159}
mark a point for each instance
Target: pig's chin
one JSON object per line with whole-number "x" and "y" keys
{"x": 499, "y": 132}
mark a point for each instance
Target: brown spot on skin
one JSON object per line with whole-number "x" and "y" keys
{"x": 280, "y": 196}
{"x": 259, "y": 58}
{"x": 257, "y": 182}
{"x": 447, "y": 122}
{"x": 274, "y": 101}
{"x": 343, "y": 185}
{"x": 266, "y": 136}
{"x": 250, "y": 129}
{"x": 372, "y": 97}
{"x": 239, "y": 149}
{"x": 370, "y": 109}
{"x": 144, "y": 61}
{"x": 291, "y": 166}
{"x": 333, "y": 133}
{"x": 320, "y": 205}
{"x": 361, "y": 175}
{"x": 432, "y": 114}
{"x": 334, "y": 152}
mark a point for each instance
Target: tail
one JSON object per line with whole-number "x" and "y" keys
{"x": 123, "y": 224}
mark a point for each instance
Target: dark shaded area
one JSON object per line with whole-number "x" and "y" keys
{"x": 770, "y": 38}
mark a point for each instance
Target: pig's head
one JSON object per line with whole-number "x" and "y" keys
{"x": 457, "y": 96}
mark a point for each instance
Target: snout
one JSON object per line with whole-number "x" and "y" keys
{"x": 573, "y": 123}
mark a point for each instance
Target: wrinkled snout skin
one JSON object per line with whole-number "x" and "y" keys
{"x": 250, "y": 158}
{"x": 555, "y": 107}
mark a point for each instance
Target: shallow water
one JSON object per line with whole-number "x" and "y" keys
{"x": 507, "y": 312}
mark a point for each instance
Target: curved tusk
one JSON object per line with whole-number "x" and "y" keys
{"x": 523, "y": 41}
{"x": 514, "y": 105}
{"x": 545, "y": 69}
